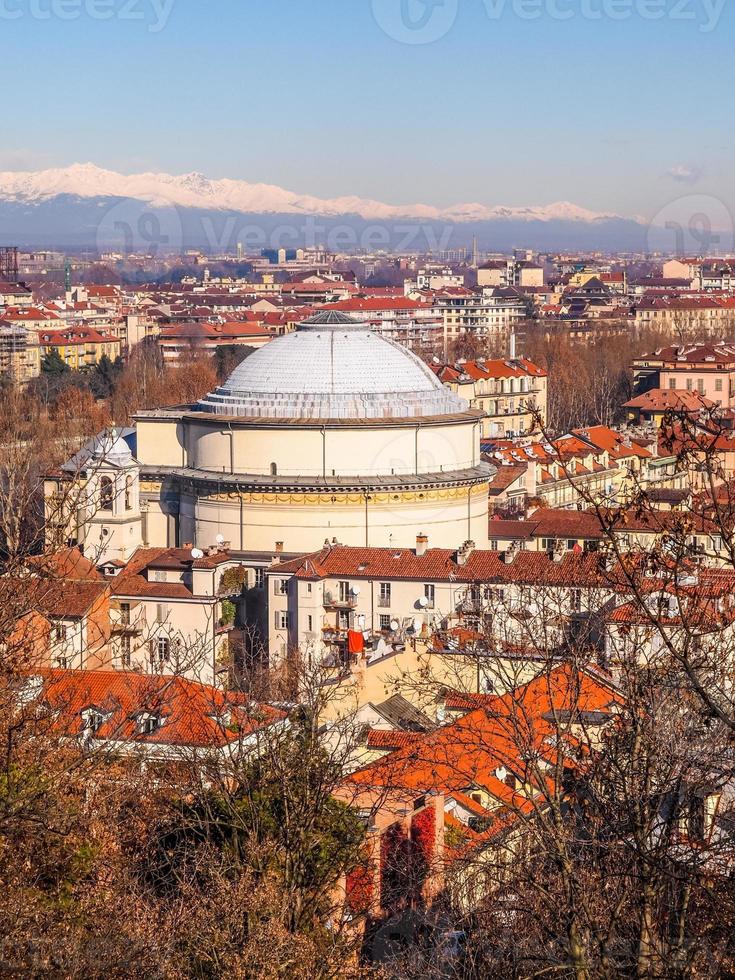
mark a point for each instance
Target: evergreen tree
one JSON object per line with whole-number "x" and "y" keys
{"x": 53, "y": 364}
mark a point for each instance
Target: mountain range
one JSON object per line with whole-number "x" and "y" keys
{"x": 86, "y": 206}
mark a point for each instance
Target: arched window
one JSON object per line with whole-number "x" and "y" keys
{"x": 128, "y": 493}
{"x": 274, "y": 469}
{"x": 106, "y": 493}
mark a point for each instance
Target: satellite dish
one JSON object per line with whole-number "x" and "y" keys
{"x": 394, "y": 624}
{"x": 423, "y": 601}
{"x": 355, "y": 590}
{"x": 220, "y": 539}
{"x": 197, "y": 553}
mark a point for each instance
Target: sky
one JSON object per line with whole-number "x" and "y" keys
{"x": 619, "y": 106}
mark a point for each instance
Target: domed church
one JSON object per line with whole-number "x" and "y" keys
{"x": 332, "y": 431}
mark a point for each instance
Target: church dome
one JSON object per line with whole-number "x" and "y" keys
{"x": 332, "y": 367}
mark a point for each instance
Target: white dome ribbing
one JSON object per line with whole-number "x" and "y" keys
{"x": 333, "y": 367}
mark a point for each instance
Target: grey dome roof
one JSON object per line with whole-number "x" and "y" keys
{"x": 332, "y": 367}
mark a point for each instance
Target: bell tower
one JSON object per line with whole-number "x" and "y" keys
{"x": 113, "y": 524}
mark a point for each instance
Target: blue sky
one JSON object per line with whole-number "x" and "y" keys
{"x": 515, "y": 108}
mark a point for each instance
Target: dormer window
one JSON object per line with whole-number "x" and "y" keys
{"x": 92, "y": 721}
{"x": 148, "y": 723}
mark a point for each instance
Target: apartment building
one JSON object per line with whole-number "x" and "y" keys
{"x": 693, "y": 315}
{"x": 177, "y": 611}
{"x": 182, "y": 340}
{"x": 343, "y": 601}
{"x": 510, "y": 272}
{"x": 510, "y": 392}
{"x": 705, "y": 369}
{"x": 415, "y": 324}
{"x": 19, "y": 353}
{"x": 79, "y": 347}
{"x": 490, "y": 313}
{"x": 596, "y": 463}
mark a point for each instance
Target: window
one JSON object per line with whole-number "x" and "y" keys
{"x": 384, "y": 622}
{"x": 125, "y": 613}
{"x": 280, "y": 586}
{"x": 92, "y": 720}
{"x": 672, "y": 384}
{"x": 148, "y": 724}
{"x": 575, "y": 600}
{"x": 343, "y": 591}
{"x": 689, "y": 384}
{"x": 308, "y": 588}
{"x": 700, "y": 385}
{"x": 384, "y": 596}
{"x": 161, "y": 612}
{"x": 163, "y": 649}
{"x": 429, "y": 594}
{"x": 128, "y": 493}
{"x": 259, "y": 578}
{"x": 106, "y": 493}
{"x": 274, "y": 469}
{"x": 125, "y": 660}
{"x": 59, "y": 632}
{"x": 281, "y": 619}
{"x": 310, "y": 623}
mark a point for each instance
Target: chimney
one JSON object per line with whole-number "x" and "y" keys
{"x": 464, "y": 552}
{"x": 279, "y": 547}
{"x": 509, "y": 555}
{"x": 422, "y": 545}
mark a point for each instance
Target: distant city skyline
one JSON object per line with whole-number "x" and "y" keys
{"x": 517, "y": 104}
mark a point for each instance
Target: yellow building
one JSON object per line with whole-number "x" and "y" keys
{"x": 79, "y": 347}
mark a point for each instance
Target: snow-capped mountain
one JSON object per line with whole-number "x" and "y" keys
{"x": 197, "y": 191}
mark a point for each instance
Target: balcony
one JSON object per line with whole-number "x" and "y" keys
{"x": 333, "y": 600}
{"x": 129, "y": 626}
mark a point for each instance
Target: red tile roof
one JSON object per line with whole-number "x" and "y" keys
{"x": 56, "y": 598}
{"x": 379, "y": 738}
{"x": 193, "y": 714}
{"x": 501, "y": 734}
{"x": 669, "y": 400}
{"x": 440, "y": 564}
